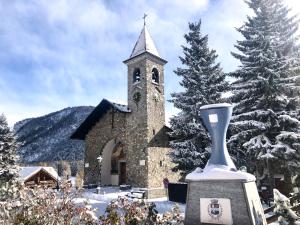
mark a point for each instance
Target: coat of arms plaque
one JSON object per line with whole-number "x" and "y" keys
{"x": 215, "y": 211}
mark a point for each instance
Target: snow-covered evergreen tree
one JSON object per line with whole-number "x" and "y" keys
{"x": 266, "y": 122}
{"x": 203, "y": 82}
{"x": 283, "y": 208}
{"x": 8, "y": 158}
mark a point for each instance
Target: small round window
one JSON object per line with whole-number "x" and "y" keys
{"x": 155, "y": 75}
{"x": 136, "y": 75}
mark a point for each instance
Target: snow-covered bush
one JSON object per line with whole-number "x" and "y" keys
{"x": 79, "y": 179}
{"x": 42, "y": 206}
{"x": 128, "y": 212}
{"x": 283, "y": 209}
{"x": 45, "y": 206}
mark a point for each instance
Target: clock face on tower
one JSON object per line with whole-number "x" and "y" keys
{"x": 136, "y": 97}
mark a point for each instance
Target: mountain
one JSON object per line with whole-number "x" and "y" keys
{"x": 47, "y": 138}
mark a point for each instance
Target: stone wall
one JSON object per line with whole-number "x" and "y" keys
{"x": 139, "y": 121}
{"x": 159, "y": 167}
{"x": 155, "y": 99}
{"x": 147, "y": 139}
{"x": 137, "y": 125}
{"x": 111, "y": 126}
{"x": 142, "y": 131}
{"x": 137, "y": 153}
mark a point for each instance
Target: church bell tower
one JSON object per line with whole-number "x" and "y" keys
{"x": 147, "y": 104}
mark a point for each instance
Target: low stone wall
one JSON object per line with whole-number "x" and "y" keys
{"x": 156, "y": 193}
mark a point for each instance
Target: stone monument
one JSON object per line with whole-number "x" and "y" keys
{"x": 221, "y": 194}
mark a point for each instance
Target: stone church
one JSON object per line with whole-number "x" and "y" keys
{"x": 132, "y": 139}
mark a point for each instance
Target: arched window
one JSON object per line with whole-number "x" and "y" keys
{"x": 155, "y": 75}
{"x": 136, "y": 75}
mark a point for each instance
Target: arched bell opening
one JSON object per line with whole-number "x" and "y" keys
{"x": 155, "y": 76}
{"x": 136, "y": 75}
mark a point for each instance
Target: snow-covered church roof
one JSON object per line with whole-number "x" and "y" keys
{"x": 95, "y": 116}
{"x": 144, "y": 43}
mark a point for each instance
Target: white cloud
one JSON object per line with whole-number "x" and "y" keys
{"x": 70, "y": 52}
{"x": 75, "y": 49}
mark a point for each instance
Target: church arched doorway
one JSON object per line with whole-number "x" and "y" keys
{"x": 113, "y": 166}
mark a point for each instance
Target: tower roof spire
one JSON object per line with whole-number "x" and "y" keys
{"x": 144, "y": 43}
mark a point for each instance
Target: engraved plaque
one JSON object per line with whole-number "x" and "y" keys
{"x": 215, "y": 211}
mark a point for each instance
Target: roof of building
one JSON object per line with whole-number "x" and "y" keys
{"x": 95, "y": 116}
{"x": 145, "y": 44}
{"x": 29, "y": 171}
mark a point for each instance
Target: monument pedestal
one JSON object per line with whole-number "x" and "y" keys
{"x": 221, "y": 194}
{"x": 226, "y": 201}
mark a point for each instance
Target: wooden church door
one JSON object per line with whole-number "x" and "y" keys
{"x": 122, "y": 179}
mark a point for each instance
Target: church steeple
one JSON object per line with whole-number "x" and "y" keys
{"x": 146, "y": 80}
{"x": 144, "y": 44}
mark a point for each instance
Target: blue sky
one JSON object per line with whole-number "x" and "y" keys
{"x": 60, "y": 53}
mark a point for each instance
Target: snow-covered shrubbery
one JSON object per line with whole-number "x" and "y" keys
{"x": 42, "y": 206}
{"x": 283, "y": 208}
{"x": 45, "y": 206}
{"x": 128, "y": 212}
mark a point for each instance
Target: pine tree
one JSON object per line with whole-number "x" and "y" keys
{"x": 8, "y": 158}
{"x": 265, "y": 125}
{"x": 203, "y": 82}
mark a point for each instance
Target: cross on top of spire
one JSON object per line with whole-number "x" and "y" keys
{"x": 144, "y": 43}
{"x": 144, "y": 17}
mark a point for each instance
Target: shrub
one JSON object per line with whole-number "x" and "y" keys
{"x": 283, "y": 209}
{"x": 79, "y": 179}
{"x": 42, "y": 206}
{"x": 127, "y": 212}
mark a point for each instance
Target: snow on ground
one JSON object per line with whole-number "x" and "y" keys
{"x": 107, "y": 194}
{"x": 163, "y": 205}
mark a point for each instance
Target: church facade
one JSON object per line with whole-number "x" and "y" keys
{"x": 132, "y": 139}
